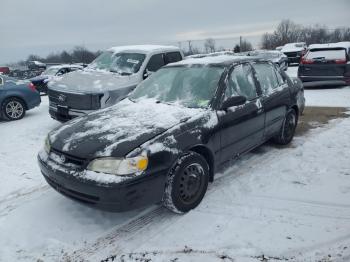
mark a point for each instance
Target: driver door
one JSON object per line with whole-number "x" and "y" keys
{"x": 242, "y": 127}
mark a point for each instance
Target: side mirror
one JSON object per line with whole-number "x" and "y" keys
{"x": 233, "y": 101}
{"x": 147, "y": 73}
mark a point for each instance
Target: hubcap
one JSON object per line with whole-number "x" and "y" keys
{"x": 191, "y": 182}
{"x": 14, "y": 109}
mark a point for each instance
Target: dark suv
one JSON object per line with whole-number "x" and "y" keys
{"x": 325, "y": 65}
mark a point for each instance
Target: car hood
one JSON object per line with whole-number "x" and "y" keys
{"x": 91, "y": 81}
{"x": 117, "y": 130}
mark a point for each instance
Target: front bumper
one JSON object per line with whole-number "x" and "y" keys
{"x": 294, "y": 60}
{"x": 114, "y": 197}
{"x": 68, "y": 115}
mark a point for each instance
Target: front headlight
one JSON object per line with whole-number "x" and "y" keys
{"x": 117, "y": 166}
{"x": 47, "y": 145}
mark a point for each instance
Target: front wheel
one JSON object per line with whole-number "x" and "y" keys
{"x": 187, "y": 183}
{"x": 13, "y": 109}
{"x": 287, "y": 131}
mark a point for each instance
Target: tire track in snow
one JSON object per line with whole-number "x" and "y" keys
{"x": 156, "y": 218}
{"x": 18, "y": 198}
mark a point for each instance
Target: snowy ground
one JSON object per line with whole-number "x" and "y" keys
{"x": 273, "y": 204}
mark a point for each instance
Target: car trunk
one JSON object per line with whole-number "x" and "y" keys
{"x": 75, "y": 100}
{"x": 330, "y": 62}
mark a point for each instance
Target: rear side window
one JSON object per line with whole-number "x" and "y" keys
{"x": 266, "y": 76}
{"x": 172, "y": 57}
{"x": 156, "y": 62}
{"x": 241, "y": 83}
{"x": 327, "y": 54}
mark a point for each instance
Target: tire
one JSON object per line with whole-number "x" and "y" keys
{"x": 287, "y": 131}
{"x": 187, "y": 183}
{"x": 13, "y": 109}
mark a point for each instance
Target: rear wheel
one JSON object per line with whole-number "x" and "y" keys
{"x": 187, "y": 183}
{"x": 286, "y": 134}
{"x": 13, "y": 109}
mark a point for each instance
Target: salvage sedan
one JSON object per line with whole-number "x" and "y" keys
{"x": 175, "y": 131}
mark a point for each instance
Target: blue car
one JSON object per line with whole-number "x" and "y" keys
{"x": 16, "y": 97}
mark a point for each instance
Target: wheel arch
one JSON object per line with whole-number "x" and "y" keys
{"x": 208, "y": 156}
{"x": 17, "y": 97}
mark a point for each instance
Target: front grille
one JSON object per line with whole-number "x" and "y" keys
{"x": 291, "y": 54}
{"x": 85, "y": 198}
{"x": 75, "y": 101}
{"x": 69, "y": 159}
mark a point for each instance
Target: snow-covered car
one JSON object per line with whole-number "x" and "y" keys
{"x": 326, "y": 65}
{"x": 294, "y": 51}
{"x": 167, "y": 140}
{"x": 276, "y": 57}
{"x": 107, "y": 80}
{"x": 40, "y": 82}
{"x": 16, "y": 97}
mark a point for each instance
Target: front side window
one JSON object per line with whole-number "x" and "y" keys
{"x": 192, "y": 86}
{"x": 266, "y": 76}
{"x": 121, "y": 63}
{"x": 156, "y": 62}
{"x": 241, "y": 82}
{"x": 172, "y": 57}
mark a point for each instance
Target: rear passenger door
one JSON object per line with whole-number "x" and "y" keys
{"x": 275, "y": 96}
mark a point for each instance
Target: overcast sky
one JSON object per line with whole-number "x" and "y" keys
{"x": 44, "y": 26}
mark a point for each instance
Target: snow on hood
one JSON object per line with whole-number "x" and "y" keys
{"x": 117, "y": 130}
{"x": 91, "y": 80}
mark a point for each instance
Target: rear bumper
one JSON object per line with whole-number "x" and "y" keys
{"x": 313, "y": 81}
{"x": 133, "y": 193}
{"x": 294, "y": 60}
{"x": 34, "y": 102}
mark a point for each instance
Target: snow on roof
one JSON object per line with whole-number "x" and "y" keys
{"x": 211, "y": 60}
{"x": 142, "y": 48}
{"x": 331, "y": 45}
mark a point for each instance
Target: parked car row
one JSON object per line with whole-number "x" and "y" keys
{"x": 164, "y": 141}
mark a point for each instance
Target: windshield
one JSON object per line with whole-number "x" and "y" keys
{"x": 189, "y": 86}
{"x": 122, "y": 63}
{"x": 50, "y": 72}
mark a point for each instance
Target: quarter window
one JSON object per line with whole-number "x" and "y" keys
{"x": 266, "y": 76}
{"x": 241, "y": 83}
{"x": 280, "y": 78}
{"x": 155, "y": 63}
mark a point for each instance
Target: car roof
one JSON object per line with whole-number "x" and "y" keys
{"x": 143, "y": 48}
{"x": 330, "y": 45}
{"x": 215, "y": 60}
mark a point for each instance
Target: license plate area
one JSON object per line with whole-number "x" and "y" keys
{"x": 62, "y": 110}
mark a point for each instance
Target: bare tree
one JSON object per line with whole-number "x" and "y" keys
{"x": 245, "y": 46}
{"x": 209, "y": 45}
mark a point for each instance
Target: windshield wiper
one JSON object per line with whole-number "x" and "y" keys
{"x": 120, "y": 72}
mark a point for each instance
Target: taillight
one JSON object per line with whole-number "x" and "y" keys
{"x": 32, "y": 86}
{"x": 340, "y": 61}
{"x": 306, "y": 61}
